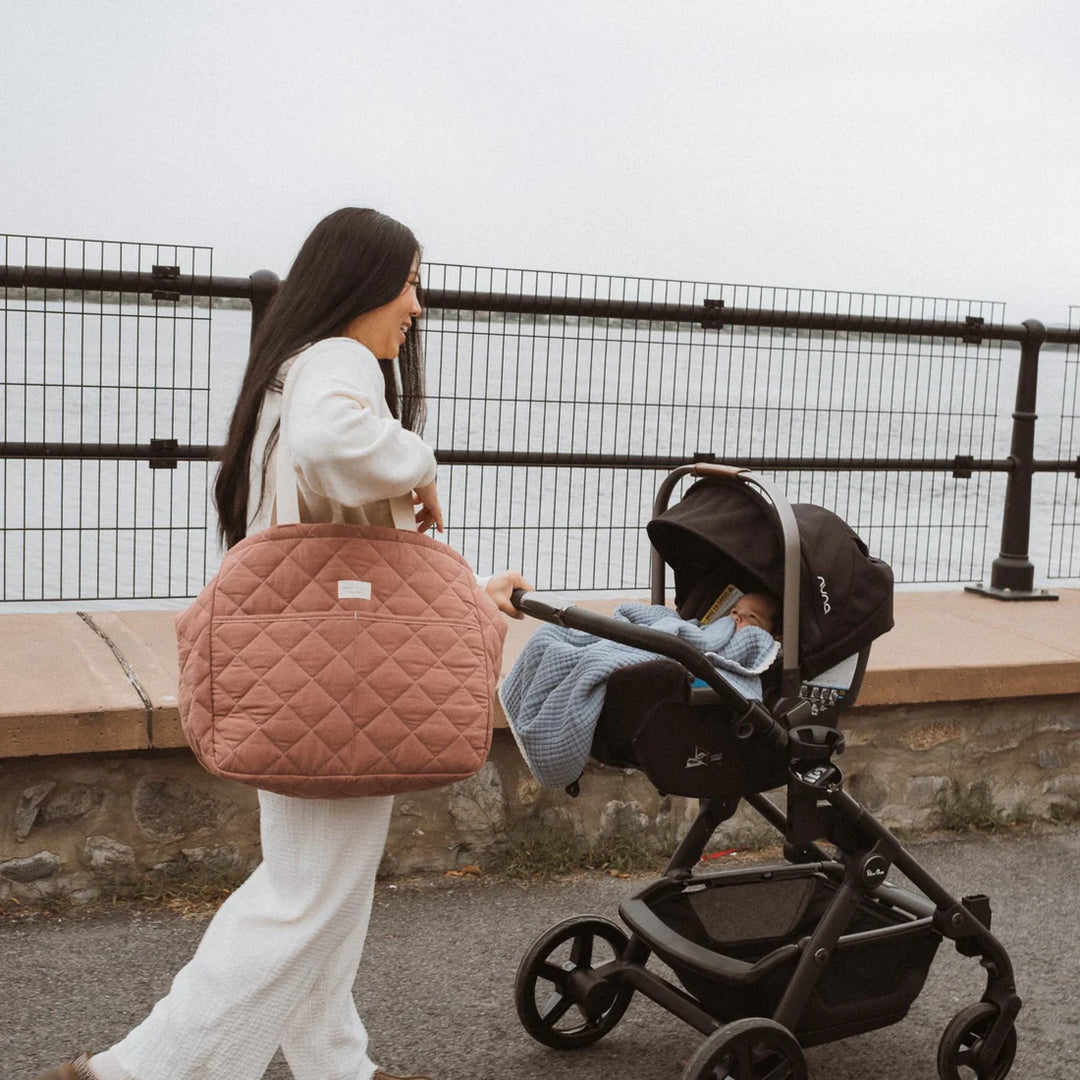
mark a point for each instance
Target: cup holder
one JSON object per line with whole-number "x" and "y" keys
{"x": 814, "y": 742}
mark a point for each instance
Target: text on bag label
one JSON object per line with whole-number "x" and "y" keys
{"x": 354, "y": 590}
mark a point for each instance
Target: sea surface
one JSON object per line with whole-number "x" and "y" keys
{"x": 77, "y": 531}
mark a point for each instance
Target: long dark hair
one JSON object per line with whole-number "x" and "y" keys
{"x": 354, "y": 261}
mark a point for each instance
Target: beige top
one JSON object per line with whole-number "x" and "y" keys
{"x": 354, "y": 462}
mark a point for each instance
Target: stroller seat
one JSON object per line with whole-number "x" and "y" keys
{"x": 652, "y": 722}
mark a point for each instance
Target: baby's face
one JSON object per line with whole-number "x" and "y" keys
{"x": 753, "y": 609}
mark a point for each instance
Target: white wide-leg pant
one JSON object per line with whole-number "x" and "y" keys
{"x": 277, "y": 963}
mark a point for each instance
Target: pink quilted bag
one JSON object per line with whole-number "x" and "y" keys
{"x": 340, "y": 660}
{"x": 332, "y": 660}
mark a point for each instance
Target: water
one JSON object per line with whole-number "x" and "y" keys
{"x": 81, "y": 529}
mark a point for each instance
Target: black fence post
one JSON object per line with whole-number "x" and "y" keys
{"x": 264, "y": 286}
{"x": 1012, "y": 574}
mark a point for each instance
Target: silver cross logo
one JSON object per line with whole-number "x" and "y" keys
{"x": 703, "y": 757}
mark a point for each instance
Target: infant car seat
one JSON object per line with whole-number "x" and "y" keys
{"x": 723, "y": 533}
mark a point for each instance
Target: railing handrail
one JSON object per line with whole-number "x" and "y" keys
{"x": 710, "y": 314}
{"x": 208, "y": 452}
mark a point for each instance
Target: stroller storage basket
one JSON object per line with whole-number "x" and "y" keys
{"x": 751, "y": 926}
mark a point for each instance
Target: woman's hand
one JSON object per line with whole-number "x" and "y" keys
{"x": 430, "y": 512}
{"x": 500, "y": 586}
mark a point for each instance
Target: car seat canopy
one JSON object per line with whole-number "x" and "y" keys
{"x": 723, "y": 532}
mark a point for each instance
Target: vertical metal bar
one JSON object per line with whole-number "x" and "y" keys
{"x": 264, "y": 287}
{"x": 660, "y": 504}
{"x": 1012, "y": 575}
{"x": 820, "y": 947}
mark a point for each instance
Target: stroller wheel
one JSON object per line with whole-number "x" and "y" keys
{"x": 563, "y": 997}
{"x": 961, "y": 1041}
{"x": 751, "y": 1049}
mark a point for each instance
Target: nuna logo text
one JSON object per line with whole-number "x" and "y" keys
{"x": 825, "y": 605}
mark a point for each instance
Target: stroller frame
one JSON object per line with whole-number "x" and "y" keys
{"x": 798, "y": 980}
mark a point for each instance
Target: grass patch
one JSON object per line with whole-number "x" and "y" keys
{"x": 194, "y": 895}
{"x": 534, "y": 851}
{"x": 624, "y": 854}
{"x": 971, "y": 808}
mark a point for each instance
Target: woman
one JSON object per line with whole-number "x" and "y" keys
{"x": 277, "y": 963}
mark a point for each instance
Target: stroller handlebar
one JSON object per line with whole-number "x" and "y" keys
{"x": 716, "y": 468}
{"x": 566, "y": 613}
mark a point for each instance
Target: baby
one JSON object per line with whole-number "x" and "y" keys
{"x": 754, "y": 609}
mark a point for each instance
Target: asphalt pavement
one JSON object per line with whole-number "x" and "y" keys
{"x": 436, "y": 985}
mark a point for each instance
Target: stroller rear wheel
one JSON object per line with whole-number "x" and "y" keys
{"x": 961, "y": 1041}
{"x": 562, "y": 996}
{"x": 750, "y": 1049}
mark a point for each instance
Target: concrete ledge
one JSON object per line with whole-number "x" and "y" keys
{"x": 147, "y": 641}
{"x": 106, "y": 681}
{"x": 63, "y": 690}
{"x": 958, "y": 646}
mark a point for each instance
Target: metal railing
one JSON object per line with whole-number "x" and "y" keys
{"x": 1063, "y": 555}
{"x": 554, "y": 401}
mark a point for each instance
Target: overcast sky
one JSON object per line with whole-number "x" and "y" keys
{"x": 924, "y": 146}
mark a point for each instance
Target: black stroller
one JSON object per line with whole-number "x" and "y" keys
{"x": 771, "y": 959}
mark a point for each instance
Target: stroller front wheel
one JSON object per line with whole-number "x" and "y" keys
{"x": 961, "y": 1041}
{"x": 563, "y": 996}
{"x": 754, "y": 1048}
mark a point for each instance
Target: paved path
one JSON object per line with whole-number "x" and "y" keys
{"x": 436, "y": 984}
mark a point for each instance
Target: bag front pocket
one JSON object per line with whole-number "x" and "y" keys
{"x": 283, "y": 691}
{"x": 423, "y": 696}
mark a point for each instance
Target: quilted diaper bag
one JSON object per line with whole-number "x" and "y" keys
{"x": 334, "y": 660}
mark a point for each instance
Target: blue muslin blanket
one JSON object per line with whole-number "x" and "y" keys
{"x": 553, "y": 694}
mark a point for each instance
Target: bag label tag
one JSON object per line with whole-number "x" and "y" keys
{"x": 354, "y": 590}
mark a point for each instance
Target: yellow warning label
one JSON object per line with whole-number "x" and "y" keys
{"x": 722, "y": 605}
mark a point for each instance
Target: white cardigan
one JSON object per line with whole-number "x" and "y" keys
{"x": 354, "y": 462}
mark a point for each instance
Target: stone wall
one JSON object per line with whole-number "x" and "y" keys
{"x": 902, "y": 760}
{"x": 69, "y": 824}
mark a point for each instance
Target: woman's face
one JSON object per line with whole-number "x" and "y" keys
{"x": 383, "y": 329}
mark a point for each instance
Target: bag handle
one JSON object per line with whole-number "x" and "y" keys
{"x": 287, "y": 500}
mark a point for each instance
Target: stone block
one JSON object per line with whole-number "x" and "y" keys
{"x": 477, "y": 806}
{"x": 29, "y": 803}
{"x": 623, "y": 818}
{"x": 104, "y": 855}
{"x": 559, "y": 819}
{"x": 43, "y": 864}
{"x": 1050, "y": 757}
{"x": 869, "y": 788}
{"x": 69, "y": 802}
{"x": 927, "y": 736}
{"x": 218, "y": 859}
{"x": 167, "y": 808}
{"x": 925, "y": 792}
{"x": 1067, "y": 785}
{"x": 167, "y": 870}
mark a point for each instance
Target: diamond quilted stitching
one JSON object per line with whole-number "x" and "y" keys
{"x": 292, "y": 699}
{"x": 271, "y": 672}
